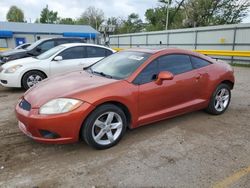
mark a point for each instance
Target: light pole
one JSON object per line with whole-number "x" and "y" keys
{"x": 167, "y": 15}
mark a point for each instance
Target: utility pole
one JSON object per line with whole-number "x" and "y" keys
{"x": 167, "y": 15}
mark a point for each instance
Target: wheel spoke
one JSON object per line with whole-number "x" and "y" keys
{"x": 222, "y": 92}
{"x": 110, "y": 136}
{"x": 226, "y": 97}
{"x": 217, "y": 104}
{"x": 116, "y": 125}
{"x": 110, "y": 118}
{"x": 99, "y": 124}
{"x": 222, "y": 105}
{"x": 99, "y": 135}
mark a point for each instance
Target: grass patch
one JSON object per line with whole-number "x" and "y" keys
{"x": 240, "y": 65}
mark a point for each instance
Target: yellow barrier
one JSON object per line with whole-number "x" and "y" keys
{"x": 3, "y": 49}
{"x": 225, "y": 53}
{"x": 216, "y": 52}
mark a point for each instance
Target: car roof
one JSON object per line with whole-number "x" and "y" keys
{"x": 170, "y": 51}
{"x": 84, "y": 44}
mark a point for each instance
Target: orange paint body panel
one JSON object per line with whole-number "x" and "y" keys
{"x": 146, "y": 103}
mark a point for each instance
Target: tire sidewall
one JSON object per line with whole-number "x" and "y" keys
{"x": 26, "y": 76}
{"x": 86, "y": 131}
{"x": 211, "y": 107}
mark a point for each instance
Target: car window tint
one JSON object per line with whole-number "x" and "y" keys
{"x": 95, "y": 51}
{"x": 148, "y": 74}
{"x": 175, "y": 64}
{"x": 108, "y": 52}
{"x": 73, "y": 53}
{"x": 59, "y": 42}
{"x": 47, "y": 45}
{"x": 198, "y": 62}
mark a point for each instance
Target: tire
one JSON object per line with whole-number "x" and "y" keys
{"x": 220, "y": 100}
{"x": 27, "y": 79}
{"x": 97, "y": 129}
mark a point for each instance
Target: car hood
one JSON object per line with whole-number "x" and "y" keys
{"x": 69, "y": 85}
{"x": 12, "y": 52}
{"x": 22, "y": 61}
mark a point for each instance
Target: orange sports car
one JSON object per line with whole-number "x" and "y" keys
{"x": 129, "y": 89}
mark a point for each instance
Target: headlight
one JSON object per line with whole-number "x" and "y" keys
{"x": 13, "y": 69}
{"x": 5, "y": 59}
{"x": 60, "y": 105}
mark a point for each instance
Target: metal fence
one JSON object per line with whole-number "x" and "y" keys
{"x": 224, "y": 37}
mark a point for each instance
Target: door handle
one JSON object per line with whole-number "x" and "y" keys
{"x": 198, "y": 76}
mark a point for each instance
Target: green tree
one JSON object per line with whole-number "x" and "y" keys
{"x": 92, "y": 16}
{"x": 210, "y": 12}
{"x": 133, "y": 24}
{"x": 15, "y": 14}
{"x": 48, "y": 16}
{"x": 68, "y": 21}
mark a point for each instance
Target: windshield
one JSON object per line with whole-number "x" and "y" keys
{"x": 120, "y": 65}
{"x": 34, "y": 45}
{"x": 49, "y": 53}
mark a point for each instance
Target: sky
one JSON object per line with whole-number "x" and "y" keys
{"x": 74, "y": 8}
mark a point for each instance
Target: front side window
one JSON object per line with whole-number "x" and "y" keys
{"x": 49, "y": 53}
{"x": 120, "y": 65}
{"x": 148, "y": 74}
{"x": 198, "y": 62}
{"x": 175, "y": 63}
{"x": 73, "y": 53}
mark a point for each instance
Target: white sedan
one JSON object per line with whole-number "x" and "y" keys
{"x": 29, "y": 71}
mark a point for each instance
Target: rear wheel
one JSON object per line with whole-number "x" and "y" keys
{"x": 31, "y": 78}
{"x": 220, "y": 100}
{"x": 104, "y": 127}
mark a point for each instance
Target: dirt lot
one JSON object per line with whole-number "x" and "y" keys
{"x": 194, "y": 150}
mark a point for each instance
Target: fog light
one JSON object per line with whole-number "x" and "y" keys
{"x": 4, "y": 81}
{"x": 48, "y": 134}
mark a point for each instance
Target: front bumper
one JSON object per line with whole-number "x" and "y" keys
{"x": 67, "y": 126}
{"x": 10, "y": 80}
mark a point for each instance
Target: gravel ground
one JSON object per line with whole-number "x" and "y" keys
{"x": 193, "y": 150}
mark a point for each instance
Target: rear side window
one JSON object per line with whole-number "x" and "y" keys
{"x": 74, "y": 53}
{"x": 175, "y": 64}
{"x": 108, "y": 52}
{"x": 198, "y": 62}
{"x": 96, "y": 51}
{"x": 47, "y": 45}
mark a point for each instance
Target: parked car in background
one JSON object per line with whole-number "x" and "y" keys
{"x": 64, "y": 58}
{"x": 23, "y": 46}
{"x": 36, "y": 48}
{"x": 130, "y": 88}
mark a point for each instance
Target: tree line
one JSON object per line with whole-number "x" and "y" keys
{"x": 181, "y": 14}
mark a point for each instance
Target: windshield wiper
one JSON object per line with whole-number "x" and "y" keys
{"x": 101, "y": 73}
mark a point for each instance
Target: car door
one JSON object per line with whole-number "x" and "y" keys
{"x": 45, "y": 46}
{"x": 202, "y": 67}
{"x": 72, "y": 59}
{"x": 172, "y": 96}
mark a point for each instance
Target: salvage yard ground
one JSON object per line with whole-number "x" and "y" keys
{"x": 193, "y": 150}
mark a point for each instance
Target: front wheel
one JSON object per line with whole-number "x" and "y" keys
{"x": 104, "y": 127}
{"x": 32, "y": 78}
{"x": 220, "y": 100}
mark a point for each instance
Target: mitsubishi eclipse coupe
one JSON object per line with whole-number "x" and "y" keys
{"x": 128, "y": 89}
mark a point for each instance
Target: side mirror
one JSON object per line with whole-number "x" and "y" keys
{"x": 58, "y": 58}
{"x": 165, "y": 75}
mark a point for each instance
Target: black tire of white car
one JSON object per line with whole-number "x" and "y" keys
{"x": 217, "y": 100}
{"x": 89, "y": 128}
{"x": 27, "y": 81}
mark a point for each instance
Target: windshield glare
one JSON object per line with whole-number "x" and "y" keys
{"x": 49, "y": 53}
{"x": 120, "y": 65}
{"x": 34, "y": 45}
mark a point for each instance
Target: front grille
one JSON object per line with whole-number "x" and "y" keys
{"x": 25, "y": 105}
